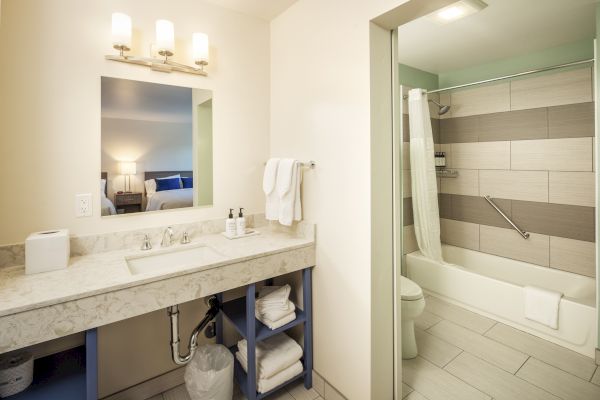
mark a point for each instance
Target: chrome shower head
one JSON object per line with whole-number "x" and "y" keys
{"x": 442, "y": 108}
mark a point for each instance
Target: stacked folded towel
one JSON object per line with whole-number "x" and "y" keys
{"x": 273, "y": 306}
{"x": 277, "y": 360}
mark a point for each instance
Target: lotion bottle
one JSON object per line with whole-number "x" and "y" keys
{"x": 230, "y": 224}
{"x": 241, "y": 223}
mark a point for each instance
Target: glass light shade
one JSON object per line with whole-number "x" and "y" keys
{"x": 121, "y": 30}
{"x": 200, "y": 46}
{"x": 165, "y": 35}
{"x": 128, "y": 168}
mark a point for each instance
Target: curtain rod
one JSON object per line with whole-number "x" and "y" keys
{"x": 533, "y": 71}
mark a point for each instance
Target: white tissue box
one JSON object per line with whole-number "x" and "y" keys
{"x": 47, "y": 251}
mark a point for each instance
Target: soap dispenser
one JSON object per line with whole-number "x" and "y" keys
{"x": 230, "y": 224}
{"x": 241, "y": 223}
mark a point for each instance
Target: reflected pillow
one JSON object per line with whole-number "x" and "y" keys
{"x": 187, "y": 182}
{"x": 150, "y": 184}
{"x": 168, "y": 184}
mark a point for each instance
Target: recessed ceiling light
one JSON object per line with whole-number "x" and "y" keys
{"x": 458, "y": 10}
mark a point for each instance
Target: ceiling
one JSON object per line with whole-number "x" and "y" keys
{"x": 505, "y": 29}
{"x": 265, "y": 9}
{"x": 128, "y": 99}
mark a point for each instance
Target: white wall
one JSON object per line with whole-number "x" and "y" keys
{"x": 50, "y": 106}
{"x": 320, "y": 110}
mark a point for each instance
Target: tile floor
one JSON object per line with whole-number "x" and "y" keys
{"x": 463, "y": 355}
{"x": 295, "y": 391}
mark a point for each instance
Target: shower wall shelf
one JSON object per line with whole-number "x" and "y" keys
{"x": 446, "y": 173}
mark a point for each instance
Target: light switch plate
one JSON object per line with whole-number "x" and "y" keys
{"x": 83, "y": 205}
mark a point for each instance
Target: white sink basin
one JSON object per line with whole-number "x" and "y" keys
{"x": 173, "y": 258}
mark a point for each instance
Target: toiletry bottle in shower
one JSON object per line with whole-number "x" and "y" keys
{"x": 230, "y": 229}
{"x": 240, "y": 223}
{"x": 443, "y": 159}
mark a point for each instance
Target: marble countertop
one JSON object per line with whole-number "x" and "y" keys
{"x": 104, "y": 272}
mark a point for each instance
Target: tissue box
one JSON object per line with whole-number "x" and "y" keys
{"x": 47, "y": 251}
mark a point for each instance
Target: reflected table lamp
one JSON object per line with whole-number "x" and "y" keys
{"x": 127, "y": 169}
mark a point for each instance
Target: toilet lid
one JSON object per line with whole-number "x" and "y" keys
{"x": 409, "y": 290}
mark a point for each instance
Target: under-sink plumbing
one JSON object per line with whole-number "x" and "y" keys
{"x": 173, "y": 311}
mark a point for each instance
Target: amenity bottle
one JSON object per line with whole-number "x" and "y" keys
{"x": 241, "y": 223}
{"x": 230, "y": 229}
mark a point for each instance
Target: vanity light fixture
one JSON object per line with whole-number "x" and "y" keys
{"x": 165, "y": 44}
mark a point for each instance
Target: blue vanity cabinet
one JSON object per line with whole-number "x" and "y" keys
{"x": 68, "y": 375}
{"x": 241, "y": 314}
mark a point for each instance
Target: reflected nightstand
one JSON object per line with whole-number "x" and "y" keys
{"x": 128, "y": 202}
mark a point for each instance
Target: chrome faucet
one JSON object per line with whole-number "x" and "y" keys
{"x": 167, "y": 238}
{"x": 147, "y": 245}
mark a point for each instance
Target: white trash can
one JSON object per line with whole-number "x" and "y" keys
{"x": 209, "y": 376}
{"x": 16, "y": 373}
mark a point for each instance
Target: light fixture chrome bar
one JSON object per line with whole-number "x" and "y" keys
{"x": 162, "y": 65}
{"x": 521, "y": 232}
{"x": 533, "y": 71}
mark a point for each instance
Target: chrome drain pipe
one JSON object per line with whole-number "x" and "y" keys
{"x": 173, "y": 312}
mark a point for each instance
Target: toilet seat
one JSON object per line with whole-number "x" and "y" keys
{"x": 409, "y": 290}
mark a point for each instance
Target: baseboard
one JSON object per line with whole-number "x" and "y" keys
{"x": 597, "y": 356}
{"x": 151, "y": 387}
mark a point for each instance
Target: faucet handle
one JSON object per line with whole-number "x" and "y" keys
{"x": 146, "y": 245}
{"x": 185, "y": 239}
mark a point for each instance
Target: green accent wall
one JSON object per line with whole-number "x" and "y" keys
{"x": 576, "y": 51}
{"x": 597, "y": 83}
{"x": 416, "y": 78}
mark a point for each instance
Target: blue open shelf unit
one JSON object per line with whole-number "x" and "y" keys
{"x": 241, "y": 314}
{"x": 68, "y": 375}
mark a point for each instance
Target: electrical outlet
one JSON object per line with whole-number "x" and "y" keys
{"x": 83, "y": 205}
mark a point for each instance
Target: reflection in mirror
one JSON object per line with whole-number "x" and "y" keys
{"x": 156, "y": 147}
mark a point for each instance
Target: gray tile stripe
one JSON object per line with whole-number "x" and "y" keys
{"x": 435, "y": 129}
{"x": 561, "y": 220}
{"x": 568, "y": 121}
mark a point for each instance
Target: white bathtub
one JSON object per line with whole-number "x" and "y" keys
{"x": 493, "y": 286}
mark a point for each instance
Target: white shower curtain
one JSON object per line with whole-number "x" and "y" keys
{"x": 423, "y": 178}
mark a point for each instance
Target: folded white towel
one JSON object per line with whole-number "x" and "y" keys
{"x": 266, "y": 384}
{"x": 287, "y": 174}
{"x": 269, "y": 183}
{"x": 273, "y": 355}
{"x": 278, "y": 323}
{"x": 542, "y": 305}
{"x": 273, "y": 297}
{"x": 275, "y": 313}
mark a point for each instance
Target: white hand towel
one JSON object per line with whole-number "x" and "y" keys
{"x": 267, "y": 384}
{"x": 269, "y": 184}
{"x": 542, "y": 305}
{"x": 275, "y": 314}
{"x": 275, "y": 296}
{"x": 279, "y": 323}
{"x": 273, "y": 355}
{"x": 298, "y": 196}
{"x": 286, "y": 189}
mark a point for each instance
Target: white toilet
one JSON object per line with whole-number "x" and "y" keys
{"x": 413, "y": 304}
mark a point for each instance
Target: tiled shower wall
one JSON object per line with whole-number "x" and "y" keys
{"x": 529, "y": 145}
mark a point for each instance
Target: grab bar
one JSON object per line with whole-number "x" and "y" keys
{"x": 521, "y": 232}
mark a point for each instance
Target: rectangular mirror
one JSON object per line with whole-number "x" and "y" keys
{"x": 156, "y": 147}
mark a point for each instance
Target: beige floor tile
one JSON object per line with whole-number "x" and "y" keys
{"x": 550, "y": 353}
{"x": 406, "y": 390}
{"x": 426, "y": 320}
{"x": 494, "y": 381}
{"x": 494, "y": 352}
{"x": 435, "y": 350}
{"x": 299, "y": 392}
{"x": 458, "y": 315}
{"x": 318, "y": 383}
{"x": 157, "y": 397}
{"x": 596, "y": 377}
{"x": 416, "y": 396}
{"x": 557, "y": 381}
{"x": 436, "y": 384}
{"x": 332, "y": 394}
{"x": 177, "y": 393}
{"x": 281, "y": 394}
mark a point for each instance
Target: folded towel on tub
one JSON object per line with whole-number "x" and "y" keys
{"x": 541, "y": 305}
